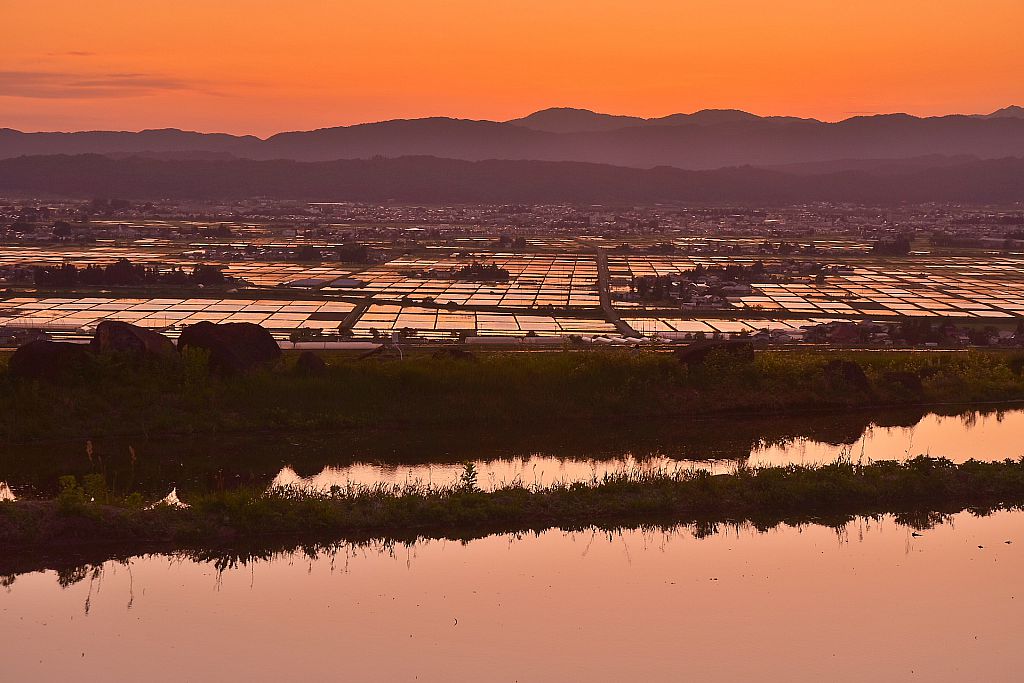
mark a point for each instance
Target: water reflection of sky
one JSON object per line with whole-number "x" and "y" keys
{"x": 995, "y": 436}
{"x": 983, "y": 437}
{"x": 869, "y": 602}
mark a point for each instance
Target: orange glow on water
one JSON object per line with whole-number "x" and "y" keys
{"x": 794, "y": 604}
{"x": 259, "y": 66}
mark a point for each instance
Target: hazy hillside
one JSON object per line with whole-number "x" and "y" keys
{"x": 432, "y": 180}
{"x": 15, "y": 143}
{"x": 703, "y": 140}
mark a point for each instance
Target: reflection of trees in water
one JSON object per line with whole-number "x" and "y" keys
{"x": 230, "y": 461}
{"x": 69, "y": 576}
{"x": 921, "y": 520}
{"x": 73, "y": 574}
{"x": 340, "y": 553}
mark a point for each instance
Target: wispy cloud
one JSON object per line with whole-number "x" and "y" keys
{"x": 71, "y": 86}
{"x": 72, "y": 53}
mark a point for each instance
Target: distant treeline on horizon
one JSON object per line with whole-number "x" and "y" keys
{"x": 425, "y": 179}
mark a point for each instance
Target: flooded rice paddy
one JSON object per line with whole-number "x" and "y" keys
{"x": 551, "y": 295}
{"x": 872, "y": 599}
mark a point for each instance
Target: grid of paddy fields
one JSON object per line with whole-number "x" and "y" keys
{"x": 419, "y": 295}
{"x": 71, "y": 315}
{"x": 256, "y": 273}
{"x": 560, "y": 280}
{"x": 966, "y": 287}
{"x": 535, "y": 280}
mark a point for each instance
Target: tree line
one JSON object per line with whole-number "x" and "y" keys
{"x": 124, "y": 273}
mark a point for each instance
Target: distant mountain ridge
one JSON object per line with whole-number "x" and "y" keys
{"x": 705, "y": 139}
{"x": 571, "y": 120}
{"x": 431, "y": 180}
{"x": 1011, "y": 112}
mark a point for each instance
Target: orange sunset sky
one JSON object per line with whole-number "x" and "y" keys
{"x": 261, "y": 66}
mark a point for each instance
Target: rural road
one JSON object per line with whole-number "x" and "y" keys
{"x": 604, "y": 288}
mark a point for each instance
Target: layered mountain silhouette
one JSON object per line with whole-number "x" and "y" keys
{"x": 703, "y": 140}
{"x": 434, "y": 180}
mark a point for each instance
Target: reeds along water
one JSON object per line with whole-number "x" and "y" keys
{"x": 763, "y": 495}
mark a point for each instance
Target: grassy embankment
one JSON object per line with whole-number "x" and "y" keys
{"x": 515, "y": 390}
{"x": 519, "y": 391}
{"x": 85, "y": 515}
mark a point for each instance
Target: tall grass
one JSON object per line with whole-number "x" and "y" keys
{"x": 763, "y": 496}
{"x": 499, "y": 389}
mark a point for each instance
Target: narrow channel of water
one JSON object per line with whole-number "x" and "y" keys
{"x": 873, "y": 601}
{"x": 315, "y": 461}
{"x": 993, "y": 436}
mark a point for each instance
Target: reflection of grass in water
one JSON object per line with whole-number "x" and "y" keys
{"x": 208, "y": 462}
{"x": 763, "y": 496}
{"x": 75, "y": 568}
{"x": 226, "y": 559}
{"x": 496, "y": 389}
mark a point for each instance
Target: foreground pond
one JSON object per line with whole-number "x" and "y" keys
{"x": 869, "y": 601}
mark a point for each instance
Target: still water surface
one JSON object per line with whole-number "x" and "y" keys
{"x": 870, "y": 602}
{"x": 319, "y": 461}
{"x": 992, "y": 436}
